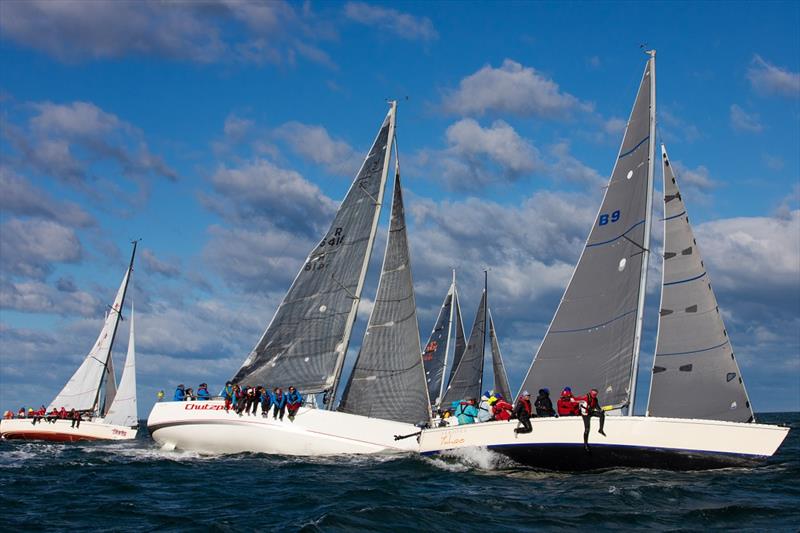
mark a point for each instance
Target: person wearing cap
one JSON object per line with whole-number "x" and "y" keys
{"x": 567, "y": 406}
{"x": 485, "y": 408}
{"x": 202, "y": 392}
{"x": 523, "y": 412}
{"x": 590, "y": 406}
{"x": 180, "y": 394}
{"x": 543, "y": 404}
{"x": 293, "y": 402}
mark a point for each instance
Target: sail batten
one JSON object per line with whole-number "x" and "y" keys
{"x": 307, "y": 339}
{"x": 695, "y": 373}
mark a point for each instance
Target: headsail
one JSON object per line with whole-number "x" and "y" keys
{"x": 306, "y": 342}
{"x": 460, "y": 343}
{"x": 468, "y": 376}
{"x": 434, "y": 356}
{"x": 695, "y": 374}
{"x": 388, "y": 379}
{"x": 500, "y": 377}
{"x": 123, "y": 410}
{"x": 593, "y": 340}
{"x": 82, "y": 391}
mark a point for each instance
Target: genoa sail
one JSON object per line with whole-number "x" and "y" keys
{"x": 307, "y": 339}
{"x": 96, "y": 375}
{"x": 500, "y": 376}
{"x": 695, "y": 374}
{"x": 123, "y": 410}
{"x": 388, "y": 379}
{"x": 434, "y": 356}
{"x": 468, "y": 375}
{"x": 593, "y": 339}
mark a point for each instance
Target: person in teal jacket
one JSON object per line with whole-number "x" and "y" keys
{"x": 293, "y": 402}
{"x": 227, "y": 395}
{"x": 466, "y": 412}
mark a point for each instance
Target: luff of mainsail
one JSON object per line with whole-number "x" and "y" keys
{"x": 460, "y": 343}
{"x": 306, "y": 342}
{"x": 434, "y": 356}
{"x": 388, "y": 378}
{"x": 123, "y": 410}
{"x": 593, "y": 339}
{"x": 498, "y": 367}
{"x": 82, "y": 391}
{"x": 468, "y": 375}
{"x": 695, "y": 374}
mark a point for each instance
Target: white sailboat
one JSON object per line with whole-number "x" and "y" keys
{"x": 699, "y": 414}
{"x": 306, "y": 342}
{"x": 107, "y": 412}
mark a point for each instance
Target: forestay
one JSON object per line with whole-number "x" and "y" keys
{"x": 82, "y": 391}
{"x": 123, "y": 410}
{"x": 592, "y": 341}
{"x": 307, "y": 340}
{"x": 434, "y": 356}
{"x": 500, "y": 376}
{"x": 695, "y": 374}
{"x": 388, "y": 379}
{"x": 468, "y": 375}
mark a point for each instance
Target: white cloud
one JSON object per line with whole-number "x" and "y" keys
{"x": 236, "y": 127}
{"x": 511, "y": 89}
{"x": 767, "y": 78}
{"x": 39, "y": 297}
{"x": 567, "y": 167}
{"x": 741, "y": 120}
{"x": 698, "y": 177}
{"x": 315, "y": 144}
{"x": 390, "y": 20}
{"x": 168, "y": 269}
{"x": 19, "y": 196}
{"x": 30, "y": 247}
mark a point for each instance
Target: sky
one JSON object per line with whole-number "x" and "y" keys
{"x": 223, "y": 133}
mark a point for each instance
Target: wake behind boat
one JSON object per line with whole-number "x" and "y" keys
{"x": 90, "y": 406}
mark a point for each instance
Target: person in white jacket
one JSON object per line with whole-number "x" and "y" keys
{"x": 484, "y": 409}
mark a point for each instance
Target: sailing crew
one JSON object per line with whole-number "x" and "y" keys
{"x": 567, "y": 406}
{"x": 485, "y": 408}
{"x": 180, "y": 394}
{"x": 62, "y": 413}
{"x": 202, "y": 392}
{"x": 21, "y": 413}
{"x": 190, "y": 395}
{"x": 543, "y": 404}
{"x": 279, "y": 403}
{"x": 160, "y": 395}
{"x": 466, "y": 412}
{"x": 293, "y": 402}
{"x": 76, "y": 418}
{"x": 8, "y": 415}
{"x": 502, "y": 409}
{"x": 523, "y": 413}
{"x": 590, "y": 406}
{"x": 227, "y": 395}
{"x": 52, "y": 416}
{"x": 266, "y": 401}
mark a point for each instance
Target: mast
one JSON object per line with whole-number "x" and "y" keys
{"x": 646, "y": 243}
{"x": 486, "y": 319}
{"x": 362, "y": 276}
{"x": 450, "y": 326}
{"x": 116, "y": 324}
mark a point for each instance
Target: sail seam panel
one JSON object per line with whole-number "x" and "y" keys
{"x": 674, "y": 216}
{"x": 684, "y": 280}
{"x": 593, "y": 327}
{"x": 693, "y": 351}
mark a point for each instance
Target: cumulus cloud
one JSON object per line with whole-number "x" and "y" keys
{"x": 391, "y": 20}
{"x": 767, "y": 78}
{"x": 510, "y": 89}
{"x": 166, "y": 268}
{"x": 30, "y": 247}
{"x": 38, "y": 297}
{"x": 741, "y": 120}
{"x": 565, "y": 166}
{"x": 20, "y": 197}
{"x": 698, "y": 177}
{"x": 315, "y": 144}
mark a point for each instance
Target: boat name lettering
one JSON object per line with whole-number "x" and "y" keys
{"x": 203, "y": 407}
{"x": 118, "y": 432}
{"x": 448, "y": 440}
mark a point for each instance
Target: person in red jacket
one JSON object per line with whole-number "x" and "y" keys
{"x": 566, "y": 405}
{"x": 590, "y": 406}
{"x": 502, "y": 409}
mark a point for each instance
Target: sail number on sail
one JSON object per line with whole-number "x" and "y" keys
{"x": 604, "y": 219}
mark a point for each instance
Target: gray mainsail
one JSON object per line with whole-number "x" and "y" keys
{"x": 695, "y": 374}
{"x": 461, "y": 342}
{"x": 388, "y": 379}
{"x": 307, "y": 339}
{"x": 434, "y": 356}
{"x": 593, "y": 340}
{"x": 468, "y": 376}
{"x": 500, "y": 377}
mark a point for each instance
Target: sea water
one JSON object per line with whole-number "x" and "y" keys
{"x": 134, "y": 485}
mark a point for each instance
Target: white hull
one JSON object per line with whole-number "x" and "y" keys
{"x": 557, "y": 443}
{"x": 205, "y": 426}
{"x": 62, "y": 430}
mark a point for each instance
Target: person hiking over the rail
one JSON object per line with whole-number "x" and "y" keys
{"x": 266, "y": 401}
{"x": 523, "y": 412}
{"x": 590, "y": 406}
{"x": 279, "y": 403}
{"x": 293, "y": 402}
{"x": 543, "y": 404}
{"x": 227, "y": 395}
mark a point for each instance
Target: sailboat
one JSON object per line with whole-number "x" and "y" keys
{"x": 699, "y": 415}
{"x": 306, "y": 342}
{"x": 108, "y": 412}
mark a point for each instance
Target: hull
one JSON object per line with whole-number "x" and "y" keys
{"x": 640, "y": 442}
{"x": 207, "y": 428}
{"x": 62, "y": 431}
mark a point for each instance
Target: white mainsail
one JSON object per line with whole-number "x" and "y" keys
{"x": 123, "y": 410}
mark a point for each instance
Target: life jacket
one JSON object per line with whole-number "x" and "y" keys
{"x": 566, "y": 406}
{"x": 526, "y": 405}
{"x": 502, "y": 410}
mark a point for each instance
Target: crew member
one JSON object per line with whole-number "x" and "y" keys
{"x": 279, "y": 403}
{"x": 502, "y": 409}
{"x": 567, "y": 406}
{"x": 466, "y": 412}
{"x": 590, "y": 406}
{"x": 227, "y": 395}
{"x": 266, "y": 401}
{"x": 180, "y": 394}
{"x": 293, "y": 402}
{"x": 523, "y": 413}
{"x": 485, "y": 408}
{"x": 202, "y": 392}
{"x": 543, "y": 404}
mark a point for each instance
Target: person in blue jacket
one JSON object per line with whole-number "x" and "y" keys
{"x": 202, "y": 392}
{"x": 227, "y": 395}
{"x": 180, "y": 394}
{"x": 278, "y": 402}
{"x": 266, "y": 401}
{"x": 293, "y": 402}
{"x": 466, "y": 412}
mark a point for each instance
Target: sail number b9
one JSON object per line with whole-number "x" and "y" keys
{"x": 604, "y": 218}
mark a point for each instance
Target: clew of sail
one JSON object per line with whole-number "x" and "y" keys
{"x": 95, "y": 375}
{"x": 307, "y": 339}
{"x": 468, "y": 375}
{"x": 593, "y": 340}
{"x": 123, "y": 410}
{"x": 434, "y": 356}
{"x": 388, "y": 379}
{"x": 500, "y": 377}
{"x": 695, "y": 374}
